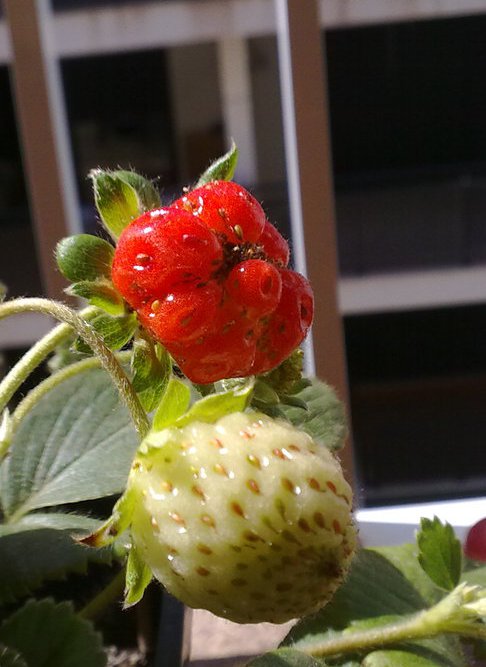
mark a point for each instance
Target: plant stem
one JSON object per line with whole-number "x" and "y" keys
{"x": 104, "y": 598}
{"x": 35, "y": 356}
{"x": 418, "y": 626}
{"x": 361, "y": 640}
{"x": 94, "y": 341}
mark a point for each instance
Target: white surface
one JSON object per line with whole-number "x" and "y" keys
{"x": 413, "y": 289}
{"x": 398, "y": 524}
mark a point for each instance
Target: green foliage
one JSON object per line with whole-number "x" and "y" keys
{"x": 58, "y": 454}
{"x": 151, "y": 366}
{"x": 440, "y": 553}
{"x": 120, "y": 198}
{"x": 115, "y": 331}
{"x": 100, "y": 293}
{"x": 212, "y": 407}
{"x": 84, "y": 257}
{"x": 147, "y": 193}
{"x": 138, "y": 577}
{"x": 222, "y": 169}
{"x": 285, "y": 657}
{"x": 416, "y": 657}
{"x": 173, "y": 404}
{"x": 379, "y": 590}
{"x": 46, "y": 634}
{"x": 31, "y": 557}
{"x": 324, "y": 417}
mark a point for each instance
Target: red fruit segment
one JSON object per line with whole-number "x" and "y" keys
{"x": 256, "y": 285}
{"x": 184, "y": 314}
{"x": 228, "y": 350}
{"x": 227, "y": 208}
{"x": 274, "y": 245}
{"x": 162, "y": 249}
{"x": 288, "y": 324}
{"x": 475, "y": 545}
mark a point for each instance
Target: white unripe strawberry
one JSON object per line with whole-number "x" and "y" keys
{"x": 247, "y": 517}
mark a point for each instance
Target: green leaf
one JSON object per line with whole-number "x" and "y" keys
{"x": 31, "y": 557}
{"x": 115, "y": 331}
{"x": 286, "y": 377}
{"x": 84, "y": 257}
{"x": 11, "y": 658}
{"x": 374, "y": 591}
{"x": 48, "y": 634}
{"x": 325, "y": 417}
{"x": 99, "y": 293}
{"x": 75, "y": 523}
{"x": 148, "y": 195}
{"x": 285, "y": 657}
{"x": 222, "y": 169}
{"x": 151, "y": 367}
{"x": 440, "y": 553}
{"x": 413, "y": 658}
{"x": 404, "y": 558}
{"x": 174, "y": 403}
{"x": 76, "y": 444}
{"x": 3, "y": 291}
{"x": 138, "y": 577}
{"x": 117, "y": 201}
{"x": 374, "y": 587}
{"x": 264, "y": 394}
{"x": 212, "y": 407}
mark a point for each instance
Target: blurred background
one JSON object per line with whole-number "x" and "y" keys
{"x": 162, "y": 86}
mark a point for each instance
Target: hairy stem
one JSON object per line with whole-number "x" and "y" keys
{"x": 94, "y": 341}
{"x": 424, "y": 624}
{"x": 35, "y": 356}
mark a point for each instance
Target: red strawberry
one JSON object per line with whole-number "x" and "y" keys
{"x": 207, "y": 279}
{"x": 227, "y": 208}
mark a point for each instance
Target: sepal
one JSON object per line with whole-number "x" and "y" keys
{"x": 99, "y": 293}
{"x": 138, "y": 577}
{"x": 84, "y": 257}
{"x": 120, "y": 197}
{"x": 222, "y": 169}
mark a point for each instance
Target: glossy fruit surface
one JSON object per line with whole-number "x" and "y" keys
{"x": 160, "y": 251}
{"x": 207, "y": 278}
{"x": 475, "y": 544}
{"x": 227, "y": 208}
{"x": 247, "y": 517}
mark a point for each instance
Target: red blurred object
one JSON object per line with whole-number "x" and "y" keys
{"x": 475, "y": 544}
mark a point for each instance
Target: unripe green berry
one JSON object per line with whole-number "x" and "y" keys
{"x": 247, "y": 517}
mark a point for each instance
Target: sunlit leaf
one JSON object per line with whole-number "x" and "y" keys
{"x": 440, "y": 553}
{"x": 222, "y": 169}
{"x": 76, "y": 444}
{"x": 99, "y": 293}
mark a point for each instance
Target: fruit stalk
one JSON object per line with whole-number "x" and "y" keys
{"x": 94, "y": 341}
{"x": 454, "y": 614}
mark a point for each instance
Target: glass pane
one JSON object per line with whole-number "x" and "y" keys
{"x": 16, "y": 234}
{"x": 137, "y": 110}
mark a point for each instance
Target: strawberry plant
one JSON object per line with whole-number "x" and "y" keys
{"x": 175, "y": 439}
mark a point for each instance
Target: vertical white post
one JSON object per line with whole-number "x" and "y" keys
{"x": 311, "y": 192}
{"x": 236, "y": 98}
{"x": 43, "y": 131}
